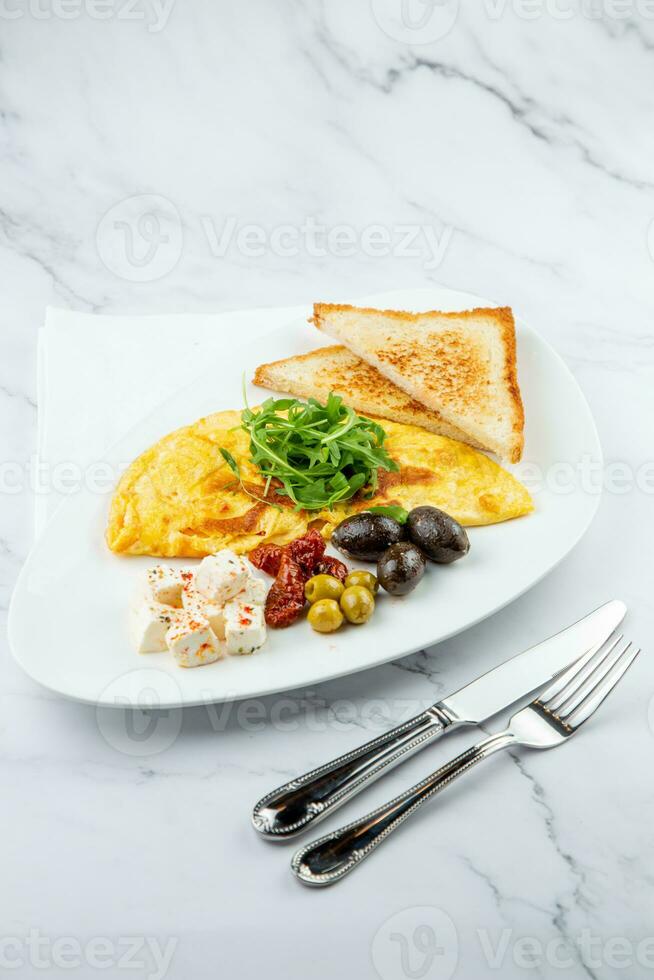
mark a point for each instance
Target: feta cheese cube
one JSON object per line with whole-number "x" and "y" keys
{"x": 220, "y": 577}
{"x": 254, "y": 592}
{"x": 192, "y": 642}
{"x": 200, "y": 607}
{"x": 164, "y": 584}
{"x": 148, "y": 624}
{"x": 245, "y": 627}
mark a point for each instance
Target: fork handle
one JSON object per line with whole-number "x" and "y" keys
{"x": 292, "y": 808}
{"x": 330, "y": 858}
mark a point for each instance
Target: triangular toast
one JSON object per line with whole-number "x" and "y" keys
{"x": 460, "y": 365}
{"x": 361, "y": 386}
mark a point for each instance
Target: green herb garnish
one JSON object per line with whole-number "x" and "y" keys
{"x": 231, "y": 462}
{"x": 398, "y": 514}
{"x": 321, "y": 454}
{"x": 234, "y": 467}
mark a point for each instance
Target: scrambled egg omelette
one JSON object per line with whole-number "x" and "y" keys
{"x": 180, "y": 499}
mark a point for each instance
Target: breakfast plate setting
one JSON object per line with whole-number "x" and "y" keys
{"x": 361, "y": 483}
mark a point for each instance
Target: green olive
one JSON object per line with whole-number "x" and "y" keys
{"x": 357, "y": 604}
{"x": 323, "y": 587}
{"x": 365, "y": 579}
{"x": 325, "y": 616}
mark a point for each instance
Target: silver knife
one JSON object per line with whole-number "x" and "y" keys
{"x": 296, "y": 806}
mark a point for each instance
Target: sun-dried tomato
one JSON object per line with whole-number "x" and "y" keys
{"x": 307, "y": 551}
{"x": 285, "y": 600}
{"x": 331, "y": 566}
{"x": 267, "y": 557}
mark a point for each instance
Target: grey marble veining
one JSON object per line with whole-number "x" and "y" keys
{"x": 518, "y": 147}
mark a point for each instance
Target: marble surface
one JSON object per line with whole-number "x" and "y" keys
{"x": 294, "y": 152}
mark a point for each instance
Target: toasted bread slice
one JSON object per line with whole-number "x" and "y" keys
{"x": 361, "y": 386}
{"x": 461, "y": 365}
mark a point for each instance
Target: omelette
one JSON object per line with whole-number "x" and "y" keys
{"x": 180, "y": 499}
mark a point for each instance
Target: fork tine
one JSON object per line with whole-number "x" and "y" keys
{"x": 567, "y": 705}
{"x": 593, "y": 700}
{"x": 582, "y": 667}
{"x": 605, "y": 655}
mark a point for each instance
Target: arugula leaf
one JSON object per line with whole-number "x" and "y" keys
{"x": 234, "y": 467}
{"x": 320, "y": 454}
{"x": 231, "y": 462}
{"x": 398, "y": 514}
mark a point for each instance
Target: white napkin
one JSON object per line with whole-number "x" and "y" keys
{"x": 99, "y": 375}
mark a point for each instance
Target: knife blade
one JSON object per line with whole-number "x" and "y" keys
{"x": 296, "y": 806}
{"x": 521, "y": 675}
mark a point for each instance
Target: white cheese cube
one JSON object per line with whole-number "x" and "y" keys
{"x": 254, "y": 592}
{"x": 200, "y": 607}
{"x": 220, "y": 577}
{"x": 192, "y": 642}
{"x": 245, "y": 627}
{"x": 148, "y": 624}
{"x": 164, "y": 584}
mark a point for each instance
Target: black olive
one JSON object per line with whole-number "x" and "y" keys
{"x": 400, "y": 568}
{"x": 439, "y": 536}
{"x": 366, "y": 536}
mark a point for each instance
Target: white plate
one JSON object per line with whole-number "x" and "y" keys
{"x": 67, "y": 618}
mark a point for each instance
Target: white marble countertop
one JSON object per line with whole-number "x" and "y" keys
{"x": 515, "y": 152}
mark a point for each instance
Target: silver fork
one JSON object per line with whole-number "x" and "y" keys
{"x": 549, "y": 720}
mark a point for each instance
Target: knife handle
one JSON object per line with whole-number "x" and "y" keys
{"x": 296, "y": 806}
{"x": 330, "y": 858}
